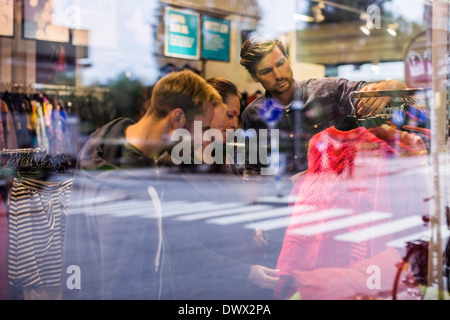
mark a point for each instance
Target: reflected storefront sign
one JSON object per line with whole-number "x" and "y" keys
{"x": 215, "y": 39}
{"x": 418, "y": 63}
{"x": 182, "y": 34}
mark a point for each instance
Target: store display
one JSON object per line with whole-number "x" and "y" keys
{"x": 37, "y": 213}
{"x": 349, "y": 173}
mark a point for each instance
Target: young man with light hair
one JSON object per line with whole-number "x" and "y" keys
{"x": 107, "y": 255}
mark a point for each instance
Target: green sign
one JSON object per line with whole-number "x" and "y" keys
{"x": 216, "y": 39}
{"x": 182, "y": 34}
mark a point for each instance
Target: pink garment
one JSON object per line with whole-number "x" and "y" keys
{"x": 406, "y": 144}
{"x": 356, "y": 282}
{"x": 347, "y": 178}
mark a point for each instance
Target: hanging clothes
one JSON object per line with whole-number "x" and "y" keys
{"x": 18, "y": 106}
{"x": 38, "y": 191}
{"x": 4, "y": 287}
{"x": 2, "y": 127}
{"x": 60, "y": 142}
{"x": 37, "y": 215}
{"x": 39, "y": 121}
{"x": 34, "y": 121}
{"x": 9, "y": 128}
{"x": 405, "y": 143}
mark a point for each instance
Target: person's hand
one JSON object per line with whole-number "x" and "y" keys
{"x": 374, "y": 105}
{"x": 258, "y": 239}
{"x": 263, "y": 277}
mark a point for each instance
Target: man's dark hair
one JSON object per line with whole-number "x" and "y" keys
{"x": 257, "y": 47}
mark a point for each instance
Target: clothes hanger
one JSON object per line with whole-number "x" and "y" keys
{"x": 350, "y": 121}
{"x": 29, "y": 160}
{"x": 373, "y": 121}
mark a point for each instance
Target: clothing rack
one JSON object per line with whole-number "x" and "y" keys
{"x": 416, "y": 98}
{"x": 34, "y": 160}
{"x": 36, "y": 88}
{"x": 36, "y": 210}
{"x": 50, "y": 115}
{"x": 51, "y": 88}
{"x": 23, "y": 151}
{"x": 405, "y": 105}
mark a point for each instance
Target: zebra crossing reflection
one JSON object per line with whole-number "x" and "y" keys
{"x": 274, "y": 213}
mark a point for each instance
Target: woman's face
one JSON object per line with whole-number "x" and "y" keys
{"x": 230, "y": 119}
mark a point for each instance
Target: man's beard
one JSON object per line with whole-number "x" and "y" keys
{"x": 285, "y": 88}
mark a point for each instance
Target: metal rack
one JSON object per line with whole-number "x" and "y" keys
{"x": 399, "y": 98}
{"x": 51, "y": 88}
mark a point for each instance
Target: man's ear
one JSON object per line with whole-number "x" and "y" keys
{"x": 177, "y": 118}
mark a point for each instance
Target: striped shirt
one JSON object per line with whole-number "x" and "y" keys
{"x": 37, "y": 215}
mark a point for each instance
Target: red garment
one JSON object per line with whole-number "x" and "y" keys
{"x": 407, "y": 144}
{"x": 4, "y": 289}
{"x": 426, "y": 132}
{"x": 347, "y": 171}
{"x": 356, "y": 283}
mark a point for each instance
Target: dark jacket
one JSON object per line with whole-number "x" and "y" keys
{"x": 114, "y": 232}
{"x": 118, "y": 257}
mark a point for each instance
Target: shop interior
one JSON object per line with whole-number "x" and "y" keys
{"x": 69, "y": 67}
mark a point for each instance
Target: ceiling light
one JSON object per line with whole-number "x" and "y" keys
{"x": 302, "y": 17}
{"x": 392, "y": 29}
{"x": 365, "y": 30}
{"x": 392, "y": 32}
{"x": 317, "y": 10}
